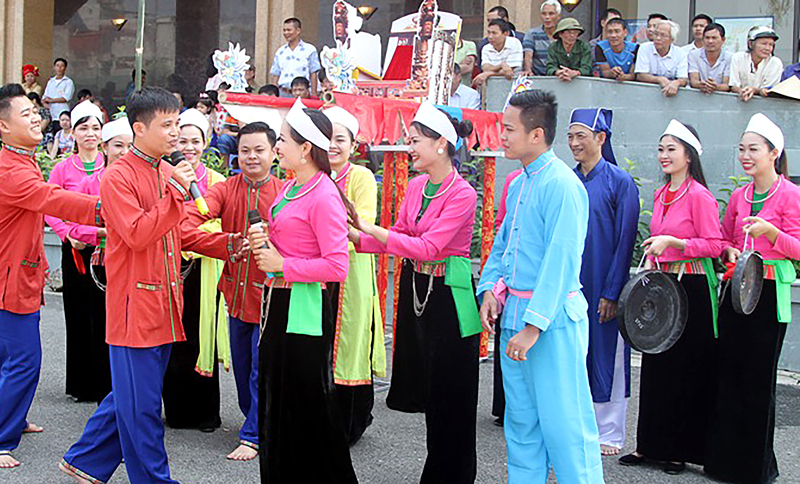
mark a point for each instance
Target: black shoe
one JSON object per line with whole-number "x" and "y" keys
{"x": 208, "y": 430}
{"x": 498, "y": 422}
{"x": 674, "y": 468}
{"x": 631, "y": 460}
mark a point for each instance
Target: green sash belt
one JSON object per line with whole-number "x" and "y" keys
{"x": 458, "y": 276}
{"x": 784, "y": 277}
{"x": 305, "y": 309}
{"x": 713, "y": 284}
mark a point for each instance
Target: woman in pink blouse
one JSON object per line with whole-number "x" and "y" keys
{"x": 300, "y": 430}
{"x": 78, "y": 243}
{"x": 764, "y": 215}
{"x": 435, "y": 358}
{"x": 677, "y": 386}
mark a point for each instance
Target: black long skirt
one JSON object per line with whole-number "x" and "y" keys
{"x": 300, "y": 429}
{"x": 191, "y": 400}
{"x": 99, "y": 348}
{"x": 435, "y": 370}
{"x": 78, "y": 316}
{"x": 355, "y": 402}
{"x": 740, "y": 447}
{"x": 678, "y": 390}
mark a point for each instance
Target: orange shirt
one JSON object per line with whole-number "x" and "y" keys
{"x": 241, "y": 282}
{"x": 143, "y": 208}
{"x": 25, "y": 198}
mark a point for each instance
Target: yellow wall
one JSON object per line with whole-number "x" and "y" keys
{"x": 23, "y": 40}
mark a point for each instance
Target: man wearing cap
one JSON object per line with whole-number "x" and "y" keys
{"x": 24, "y": 199}
{"x": 241, "y": 282}
{"x": 569, "y": 57}
{"x": 661, "y": 62}
{"x": 532, "y": 280}
{"x": 502, "y": 56}
{"x": 756, "y": 70}
{"x": 613, "y": 222}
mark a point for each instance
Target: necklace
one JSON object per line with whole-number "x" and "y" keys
{"x": 302, "y": 194}
{"x": 20, "y": 151}
{"x": 338, "y": 178}
{"x": 769, "y": 195}
{"x": 81, "y": 166}
{"x": 663, "y": 194}
{"x": 431, "y": 197}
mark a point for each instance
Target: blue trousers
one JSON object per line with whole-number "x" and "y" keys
{"x": 20, "y": 365}
{"x": 244, "y": 353}
{"x": 549, "y": 417}
{"x": 127, "y": 424}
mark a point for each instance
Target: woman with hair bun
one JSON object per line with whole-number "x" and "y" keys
{"x": 302, "y": 438}
{"x": 677, "y": 386}
{"x": 435, "y": 368}
{"x": 763, "y": 215}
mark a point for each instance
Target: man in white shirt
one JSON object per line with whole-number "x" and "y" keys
{"x": 699, "y": 24}
{"x": 709, "y": 67}
{"x": 502, "y": 56}
{"x": 59, "y": 90}
{"x": 755, "y": 71}
{"x": 661, "y": 62}
{"x": 294, "y": 59}
{"x": 462, "y": 96}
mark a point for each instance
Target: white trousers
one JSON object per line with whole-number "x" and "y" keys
{"x": 611, "y": 415}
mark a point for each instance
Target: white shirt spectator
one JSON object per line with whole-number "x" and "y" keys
{"x": 511, "y": 54}
{"x": 290, "y": 64}
{"x": 673, "y": 66}
{"x": 698, "y": 62}
{"x": 465, "y": 98}
{"x": 744, "y": 73}
{"x": 57, "y": 88}
{"x": 689, "y": 48}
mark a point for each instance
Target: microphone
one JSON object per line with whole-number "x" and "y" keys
{"x": 175, "y": 158}
{"x": 255, "y": 221}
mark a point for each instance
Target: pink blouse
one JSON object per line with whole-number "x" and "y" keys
{"x": 693, "y": 217}
{"x": 69, "y": 174}
{"x": 444, "y": 230}
{"x": 781, "y": 210}
{"x": 310, "y": 233}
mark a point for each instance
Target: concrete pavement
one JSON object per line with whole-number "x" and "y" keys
{"x": 391, "y": 452}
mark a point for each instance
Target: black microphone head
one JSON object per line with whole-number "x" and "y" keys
{"x": 254, "y": 217}
{"x": 176, "y": 157}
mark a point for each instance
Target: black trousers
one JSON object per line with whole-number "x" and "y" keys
{"x": 191, "y": 400}
{"x": 99, "y": 348}
{"x": 740, "y": 446}
{"x": 435, "y": 370}
{"x": 678, "y": 390}
{"x": 300, "y": 428}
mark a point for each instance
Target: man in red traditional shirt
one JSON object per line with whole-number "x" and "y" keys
{"x": 242, "y": 283}
{"x": 24, "y": 200}
{"x": 144, "y": 207}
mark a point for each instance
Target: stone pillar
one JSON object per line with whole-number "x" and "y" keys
{"x": 262, "y": 58}
{"x": 196, "y": 38}
{"x": 13, "y": 29}
{"x": 37, "y": 34}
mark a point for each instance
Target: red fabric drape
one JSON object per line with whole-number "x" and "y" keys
{"x": 386, "y": 221}
{"x": 487, "y": 229}
{"x": 401, "y": 182}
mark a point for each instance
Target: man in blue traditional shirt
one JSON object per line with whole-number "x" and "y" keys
{"x": 613, "y": 222}
{"x": 534, "y": 268}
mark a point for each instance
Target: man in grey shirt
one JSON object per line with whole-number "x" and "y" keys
{"x": 538, "y": 40}
{"x": 709, "y": 67}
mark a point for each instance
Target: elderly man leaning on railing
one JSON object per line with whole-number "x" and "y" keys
{"x": 661, "y": 62}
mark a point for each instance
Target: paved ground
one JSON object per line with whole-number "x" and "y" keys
{"x": 392, "y": 451}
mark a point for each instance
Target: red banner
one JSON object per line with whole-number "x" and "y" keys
{"x": 487, "y": 229}
{"x": 401, "y": 183}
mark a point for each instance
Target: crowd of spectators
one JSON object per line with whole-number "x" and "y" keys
{"x": 553, "y": 48}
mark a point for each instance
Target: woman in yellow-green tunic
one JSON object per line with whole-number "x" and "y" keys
{"x": 358, "y": 347}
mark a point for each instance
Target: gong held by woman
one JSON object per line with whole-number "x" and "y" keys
{"x": 435, "y": 367}
{"x": 677, "y": 385}
{"x": 300, "y": 430}
{"x": 764, "y": 215}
